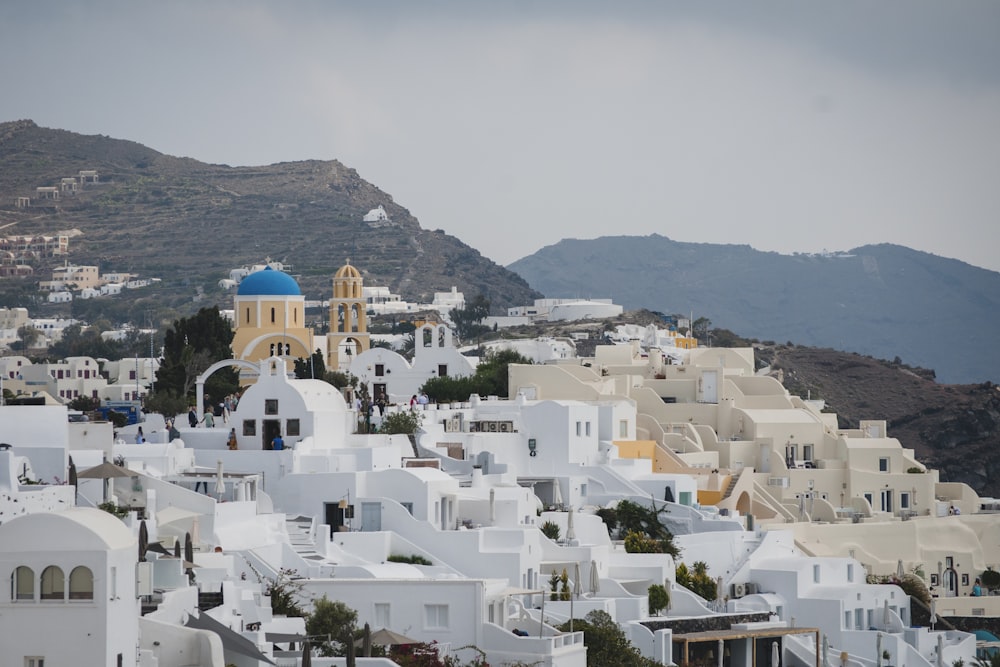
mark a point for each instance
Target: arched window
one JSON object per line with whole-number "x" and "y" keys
{"x": 22, "y": 584}
{"x": 272, "y": 316}
{"x": 53, "y": 583}
{"x": 81, "y": 584}
{"x": 248, "y": 315}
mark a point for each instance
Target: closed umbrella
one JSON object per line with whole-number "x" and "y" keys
{"x": 493, "y": 506}
{"x": 306, "y": 654}
{"x": 220, "y": 481}
{"x": 775, "y": 655}
{"x": 595, "y": 581}
{"x": 188, "y": 548}
{"x": 940, "y": 650}
{"x": 899, "y": 570}
{"x": 878, "y": 649}
{"x": 720, "y": 656}
{"x": 143, "y": 541}
{"x": 366, "y": 642}
{"x": 826, "y": 651}
{"x": 177, "y": 549}
{"x": 557, "y": 498}
{"x": 570, "y": 532}
{"x": 885, "y": 616}
{"x": 933, "y": 613}
{"x": 73, "y": 477}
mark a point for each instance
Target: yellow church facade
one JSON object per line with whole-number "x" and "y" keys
{"x": 269, "y": 311}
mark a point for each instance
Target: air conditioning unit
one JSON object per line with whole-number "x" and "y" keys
{"x": 492, "y": 427}
{"x": 506, "y": 427}
{"x": 473, "y": 427}
{"x": 737, "y": 590}
{"x": 750, "y": 588}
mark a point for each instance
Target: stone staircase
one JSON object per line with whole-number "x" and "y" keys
{"x": 733, "y": 479}
{"x": 300, "y": 535}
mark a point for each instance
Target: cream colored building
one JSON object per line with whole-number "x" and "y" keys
{"x": 348, "y": 335}
{"x": 269, "y": 310}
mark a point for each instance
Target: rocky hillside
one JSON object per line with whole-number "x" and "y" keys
{"x": 189, "y": 223}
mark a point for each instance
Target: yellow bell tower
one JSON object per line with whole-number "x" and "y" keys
{"x": 348, "y": 318}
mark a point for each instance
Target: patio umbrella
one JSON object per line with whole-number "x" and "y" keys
{"x": 900, "y": 573}
{"x": 220, "y": 481}
{"x": 595, "y": 580}
{"x": 306, "y": 655}
{"x": 105, "y": 471}
{"x": 143, "y": 541}
{"x": 878, "y": 649}
{"x": 386, "y": 637}
{"x": 188, "y": 548}
{"x": 826, "y": 651}
{"x": 885, "y": 616}
{"x": 940, "y": 650}
{"x": 177, "y": 548}
{"x": 775, "y": 654}
{"x": 933, "y": 613}
{"x": 557, "y": 498}
{"x": 570, "y": 533}
{"x": 577, "y": 589}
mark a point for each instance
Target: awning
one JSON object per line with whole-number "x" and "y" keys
{"x": 231, "y": 641}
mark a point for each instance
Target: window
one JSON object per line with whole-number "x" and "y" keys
{"x": 965, "y": 578}
{"x": 292, "y": 427}
{"x": 34, "y": 661}
{"x": 53, "y": 583}
{"x": 816, "y": 573}
{"x": 272, "y": 316}
{"x": 435, "y": 616}
{"x": 442, "y": 370}
{"x": 850, "y": 571}
{"x": 623, "y": 428}
{"x": 382, "y": 615}
{"x": 587, "y": 429}
{"x": 131, "y": 375}
{"x": 270, "y": 406}
{"x": 847, "y": 620}
{"x": 578, "y": 427}
{"x": 904, "y": 500}
{"x": 23, "y": 584}
{"x": 248, "y": 316}
{"x": 379, "y": 370}
{"x": 81, "y": 584}
{"x": 859, "y": 619}
{"x": 408, "y": 507}
{"x": 807, "y": 452}
{"x": 883, "y": 464}
{"x": 249, "y": 427}
{"x": 868, "y": 497}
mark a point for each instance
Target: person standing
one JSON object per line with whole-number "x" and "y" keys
{"x": 139, "y": 437}
{"x": 232, "y": 443}
{"x": 278, "y": 443}
{"x": 209, "y": 419}
{"x": 193, "y": 417}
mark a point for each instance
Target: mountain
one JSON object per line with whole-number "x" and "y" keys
{"x": 886, "y": 301}
{"x": 189, "y": 223}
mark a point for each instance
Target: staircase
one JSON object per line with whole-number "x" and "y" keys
{"x": 300, "y": 535}
{"x": 733, "y": 479}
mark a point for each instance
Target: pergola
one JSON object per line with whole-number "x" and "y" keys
{"x": 720, "y": 637}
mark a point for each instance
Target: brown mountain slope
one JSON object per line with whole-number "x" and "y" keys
{"x": 954, "y": 428}
{"x": 185, "y": 221}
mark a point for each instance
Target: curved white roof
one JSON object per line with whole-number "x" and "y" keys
{"x": 77, "y": 529}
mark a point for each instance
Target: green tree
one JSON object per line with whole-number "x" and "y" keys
{"x": 606, "y": 643}
{"x": 403, "y": 421}
{"x": 697, "y": 580}
{"x": 334, "y": 619}
{"x": 490, "y": 379}
{"x": 314, "y": 367}
{"x": 659, "y": 598}
{"x": 191, "y": 346}
{"x": 550, "y": 529}
{"x": 629, "y": 517}
{"x": 285, "y": 593}
{"x": 468, "y": 320}
{"x": 28, "y": 336}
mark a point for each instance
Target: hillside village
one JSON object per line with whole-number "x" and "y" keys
{"x": 494, "y": 527}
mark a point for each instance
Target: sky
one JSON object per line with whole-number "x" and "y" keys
{"x": 788, "y": 126}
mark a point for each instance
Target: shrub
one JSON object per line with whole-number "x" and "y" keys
{"x": 414, "y": 559}
{"x": 659, "y": 598}
{"x": 403, "y": 421}
{"x": 551, "y": 530}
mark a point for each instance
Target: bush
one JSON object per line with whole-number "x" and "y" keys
{"x": 551, "y": 530}
{"x": 414, "y": 559}
{"x": 990, "y": 579}
{"x": 697, "y": 580}
{"x": 659, "y": 598}
{"x": 403, "y": 421}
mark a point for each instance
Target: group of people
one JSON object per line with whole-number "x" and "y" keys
{"x": 419, "y": 399}
{"x": 223, "y": 408}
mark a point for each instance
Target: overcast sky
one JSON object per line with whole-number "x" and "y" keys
{"x": 788, "y": 126}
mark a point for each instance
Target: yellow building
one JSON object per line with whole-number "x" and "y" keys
{"x": 348, "y": 319}
{"x": 270, "y": 319}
